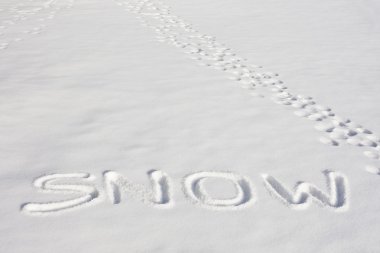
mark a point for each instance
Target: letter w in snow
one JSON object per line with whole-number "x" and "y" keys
{"x": 300, "y": 198}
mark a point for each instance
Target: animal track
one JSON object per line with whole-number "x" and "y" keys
{"x": 207, "y": 51}
{"x": 21, "y": 20}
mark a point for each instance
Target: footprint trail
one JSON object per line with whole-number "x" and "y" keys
{"x": 207, "y": 51}
{"x": 18, "y": 21}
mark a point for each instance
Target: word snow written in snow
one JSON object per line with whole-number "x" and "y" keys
{"x": 159, "y": 193}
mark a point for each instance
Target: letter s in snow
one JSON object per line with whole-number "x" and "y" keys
{"x": 60, "y": 184}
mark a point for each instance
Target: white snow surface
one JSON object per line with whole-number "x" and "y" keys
{"x": 144, "y": 90}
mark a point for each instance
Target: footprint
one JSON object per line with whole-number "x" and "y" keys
{"x": 325, "y": 127}
{"x": 328, "y": 141}
{"x": 372, "y": 154}
{"x": 373, "y": 169}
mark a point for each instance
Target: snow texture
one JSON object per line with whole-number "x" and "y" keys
{"x": 189, "y": 126}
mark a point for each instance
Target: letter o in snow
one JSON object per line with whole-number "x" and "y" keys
{"x": 193, "y": 187}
